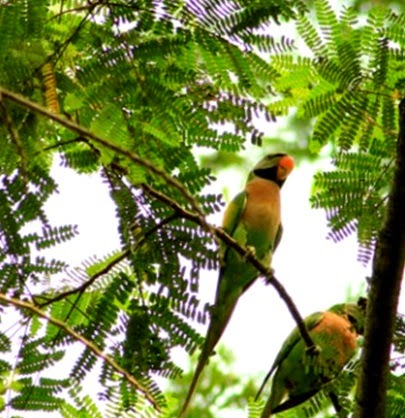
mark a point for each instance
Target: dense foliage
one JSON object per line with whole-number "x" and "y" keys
{"x": 130, "y": 90}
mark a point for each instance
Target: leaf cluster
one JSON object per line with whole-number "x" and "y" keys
{"x": 349, "y": 85}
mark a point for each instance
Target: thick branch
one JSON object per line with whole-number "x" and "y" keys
{"x": 388, "y": 268}
{"x": 88, "y": 344}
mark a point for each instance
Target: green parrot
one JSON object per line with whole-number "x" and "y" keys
{"x": 301, "y": 373}
{"x": 252, "y": 218}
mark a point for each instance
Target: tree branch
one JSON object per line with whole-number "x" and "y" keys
{"x": 388, "y": 268}
{"x": 88, "y": 344}
{"x": 243, "y": 252}
{"x": 85, "y": 285}
{"x": 80, "y": 289}
{"x": 22, "y": 101}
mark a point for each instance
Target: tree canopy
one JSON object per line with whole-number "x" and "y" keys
{"x": 134, "y": 90}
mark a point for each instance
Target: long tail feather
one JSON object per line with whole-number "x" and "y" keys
{"x": 200, "y": 367}
{"x": 263, "y": 384}
{"x": 266, "y": 411}
{"x": 219, "y": 320}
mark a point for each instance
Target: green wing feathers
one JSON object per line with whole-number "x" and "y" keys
{"x": 231, "y": 219}
{"x": 310, "y": 322}
{"x": 300, "y": 374}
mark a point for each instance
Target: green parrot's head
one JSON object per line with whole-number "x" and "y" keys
{"x": 274, "y": 167}
{"x": 354, "y": 313}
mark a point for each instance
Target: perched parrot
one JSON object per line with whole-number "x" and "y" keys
{"x": 252, "y": 218}
{"x": 301, "y": 373}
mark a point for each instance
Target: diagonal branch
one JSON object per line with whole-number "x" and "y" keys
{"x": 88, "y": 344}
{"x": 388, "y": 269}
{"x": 85, "y": 285}
{"x": 35, "y": 107}
{"x": 243, "y": 252}
{"x": 120, "y": 257}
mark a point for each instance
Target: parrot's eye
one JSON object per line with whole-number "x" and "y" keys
{"x": 278, "y": 155}
{"x": 352, "y": 319}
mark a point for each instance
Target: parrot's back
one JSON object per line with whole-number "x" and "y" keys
{"x": 301, "y": 375}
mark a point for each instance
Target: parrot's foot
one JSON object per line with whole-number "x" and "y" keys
{"x": 267, "y": 280}
{"x": 314, "y": 350}
{"x": 251, "y": 250}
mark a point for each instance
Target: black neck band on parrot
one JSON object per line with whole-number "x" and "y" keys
{"x": 269, "y": 174}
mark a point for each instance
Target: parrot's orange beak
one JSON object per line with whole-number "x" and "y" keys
{"x": 284, "y": 167}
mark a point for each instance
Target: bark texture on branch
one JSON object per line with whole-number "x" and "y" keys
{"x": 388, "y": 268}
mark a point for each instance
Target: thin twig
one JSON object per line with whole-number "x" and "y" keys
{"x": 63, "y": 46}
{"x": 81, "y": 289}
{"x": 86, "y": 284}
{"x": 88, "y": 7}
{"x": 15, "y": 137}
{"x": 63, "y": 143}
{"x": 335, "y": 402}
{"x": 373, "y": 122}
{"x": 88, "y": 344}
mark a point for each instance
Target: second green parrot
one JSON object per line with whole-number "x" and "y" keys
{"x": 252, "y": 218}
{"x": 300, "y": 374}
